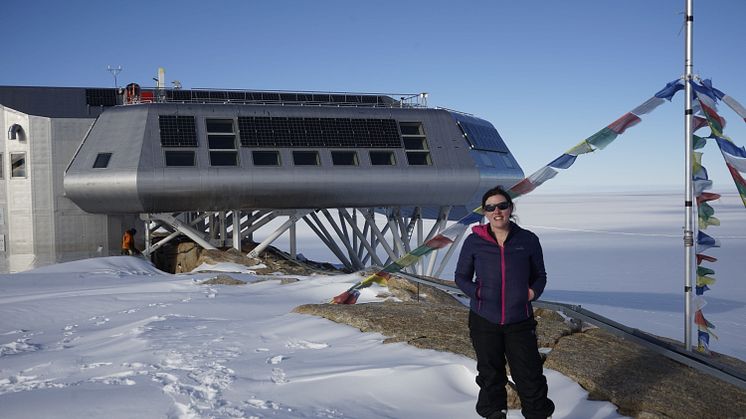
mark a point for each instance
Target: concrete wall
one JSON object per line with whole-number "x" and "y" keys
{"x": 19, "y": 243}
{"x": 77, "y": 235}
{"x": 38, "y": 224}
{"x": 40, "y": 178}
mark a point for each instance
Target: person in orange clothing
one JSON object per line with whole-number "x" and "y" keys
{"x": 128, "y": 242}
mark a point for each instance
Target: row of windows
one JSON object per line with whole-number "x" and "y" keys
{"x": 17, "y": 165}
{"x": 187, "y": 158}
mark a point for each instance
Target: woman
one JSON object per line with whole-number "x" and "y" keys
{"x": 501, "y": 268}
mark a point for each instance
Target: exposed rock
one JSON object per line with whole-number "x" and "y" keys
{"x": 223, "y": 279}
{"x": 284, "y": 280}
{"x": 413, "y": 291}
{"x": 438, "y": 327}
{"x": 552, "y": 326}
{"x": 641, "y": 383}
{"x": 215, "y": 256}
{"x": 278, "y": 261}
{"x": 189, "y": 256}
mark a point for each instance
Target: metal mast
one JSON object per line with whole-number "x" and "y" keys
{"x": 688, "y": 208}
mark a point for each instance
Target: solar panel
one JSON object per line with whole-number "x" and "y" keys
{"x": 480, "y": 134}
{"x": 179, "y": 95}
{"x": 239, "y": 96}
{"x": 177, "y": 131}
{"x": 101, "y": 97}
{"x": 262, "y": 131}
{"x": 200, "y": 95}
{"x": 218, "y": 95}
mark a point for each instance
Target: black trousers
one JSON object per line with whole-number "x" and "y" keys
{"x": 494, "y": 343}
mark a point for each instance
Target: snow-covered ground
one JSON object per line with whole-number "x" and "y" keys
{"x": 113, "y": 337}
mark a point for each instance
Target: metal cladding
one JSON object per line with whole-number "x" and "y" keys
{"x": 170, "y": 157}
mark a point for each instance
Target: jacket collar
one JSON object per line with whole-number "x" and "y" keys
{"x": 483, "y": 231}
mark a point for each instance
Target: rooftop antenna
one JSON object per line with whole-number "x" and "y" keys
{"x": 114, "y": 72}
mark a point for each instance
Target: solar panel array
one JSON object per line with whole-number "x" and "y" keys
{"x": 101, "y": 97}
{"x": 319, "y": 132}
{"x": 212, "y": 96}
{"x": 177, "y": 131}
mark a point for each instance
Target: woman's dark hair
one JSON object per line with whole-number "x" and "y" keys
{"x": 497, "y": 190}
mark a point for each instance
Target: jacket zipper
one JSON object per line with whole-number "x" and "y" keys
{"x": 502, "y": 274}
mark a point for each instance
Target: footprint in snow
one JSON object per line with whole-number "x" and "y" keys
{"x": 14, "y": 332}
{"x": 276, "y": 359}
{"x": 68, "y": 333}
{"x": 261, "y": 404}
{"x": 278, "y": 376}
{"x": 120, "y": 378}
{"x": 304, "y": 344}
{"x": 94, "y": 365}
{"x": 19, "y": 346}
{"x": 130, "y": 311}
{"x": 99, "y": 320}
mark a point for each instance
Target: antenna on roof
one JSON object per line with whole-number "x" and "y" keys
{"x": 114, "y": 72}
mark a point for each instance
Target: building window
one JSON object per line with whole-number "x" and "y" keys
{"x": 382, "y": 158}
{"x": 102, "y": 161}
{"x": 419, "y": 159}
{"x": 306, "y": 158}
{"x": 344, "y": 158}
{"x": 179, "y": 158}
{"x": 266, "y": 158}
{"x": 17, "y": 165}
{"x": 221, "y": 139}
{"x": 415, "y": 144}
{"x": 2, "y": 168}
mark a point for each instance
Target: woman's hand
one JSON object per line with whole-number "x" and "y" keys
{"x": 530, "y": 294}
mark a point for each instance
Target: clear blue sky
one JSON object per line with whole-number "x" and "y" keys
{"x": 547, "y": 74}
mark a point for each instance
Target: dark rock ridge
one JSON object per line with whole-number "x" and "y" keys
{"x": 640, "y": 382}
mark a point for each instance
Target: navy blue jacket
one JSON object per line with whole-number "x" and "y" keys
{"x": 499, "y": 290}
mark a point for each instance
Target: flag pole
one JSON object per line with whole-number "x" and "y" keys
{"x": 688, "y": 184}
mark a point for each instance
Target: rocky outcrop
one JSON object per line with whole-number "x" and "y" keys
{"x": 640, "y": 382}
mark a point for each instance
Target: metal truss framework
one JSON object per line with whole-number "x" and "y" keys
{"x": 358, "y": 237}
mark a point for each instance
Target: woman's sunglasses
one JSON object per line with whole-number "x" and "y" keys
{"x": 500, "y": 205}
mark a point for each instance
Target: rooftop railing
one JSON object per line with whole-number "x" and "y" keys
{"x": 273, "y": 97}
